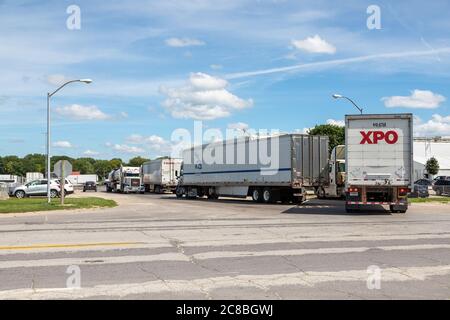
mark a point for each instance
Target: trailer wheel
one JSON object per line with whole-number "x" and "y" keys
{"x": 320, "y": 193}
{"x": 179, "y": 192}
{"x": 257, "y": 195}
{"x": 268, "y": 195}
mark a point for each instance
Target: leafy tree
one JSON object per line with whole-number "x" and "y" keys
{"x": 34, "y": 163}
{"x": 432, "y": 166}
{"x": 116, "y": 163}
{"x": 137, "y": 161}
{"x": 334, "y": 132}
{"x": 83, "y": 165}
{"x": 102, "y": 168}
{"x": 13, "y": 165}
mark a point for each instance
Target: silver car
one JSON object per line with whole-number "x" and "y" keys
{"x": 36, "y": 188}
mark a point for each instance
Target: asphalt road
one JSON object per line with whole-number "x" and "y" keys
{"x": 158, "y": 247}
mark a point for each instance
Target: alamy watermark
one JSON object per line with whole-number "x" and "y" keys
{"x": 74, "y": 279}
{"x": 374, "y": 19}
{"x": 374, "y": 278}
{"x": 73, "y": 22}
{"x": 212, "y": 146}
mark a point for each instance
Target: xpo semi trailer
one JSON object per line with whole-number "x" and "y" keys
{"x": 269, "y": 169}
{"x": 379, "y": 160}
{"x": 161, "y": 175}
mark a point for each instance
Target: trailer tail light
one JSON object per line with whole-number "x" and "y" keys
{"x": 403, "y": 192}
{"x": 353, "y": 192}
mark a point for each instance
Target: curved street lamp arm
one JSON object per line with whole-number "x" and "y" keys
{"x": 360, "y": 109}
{"x": 65, "y": 84}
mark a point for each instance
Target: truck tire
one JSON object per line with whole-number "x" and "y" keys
{"x": 320, "y": 193}
{"x": 268, "y": 195}
{"x": 157, "y": 189}
{"x": 179, "y": 193}
{"x": 257, "y": 195}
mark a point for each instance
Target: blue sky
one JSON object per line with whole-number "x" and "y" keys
{"x": 160, "y": 65}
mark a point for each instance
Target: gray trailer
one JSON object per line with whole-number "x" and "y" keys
{"x": 269, "y": 169}
{"x": 161, "y": 175}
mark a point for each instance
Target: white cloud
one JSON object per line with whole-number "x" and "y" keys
{"x": 314, "y": 45}
{"x": 91, "y": 153}
{"x": 153, "y": 142}
{"x": 78, "y": 112}
{"x": 339, "y": 123}
{"x": 203, "y": 81}
{"x": 216, "y": 66}
{"x": 124, "y": 114}
{"x": 184, "y": 42}
{"x": 238, "y": 126}
{"x": 128, "y": 149}
{"x": 204, "y": 98}
{"x": 419, "y": 99}
{"x": 437, "y": 126}
{"x": 62, "y": 144}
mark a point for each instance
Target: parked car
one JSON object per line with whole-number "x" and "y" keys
{"x": 420, "y": 191}
{"x": 68, "y": 186}
{"x": 442, "y": 187}
{"x": 423, "y": 182}
{"x": 37, "y": 188}
{"x": 90, "y": 185}
{"x": 440, "y": 178}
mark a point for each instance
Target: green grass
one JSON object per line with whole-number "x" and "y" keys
{"x": 429, "y": 200}
{"x": 40, "y": 204}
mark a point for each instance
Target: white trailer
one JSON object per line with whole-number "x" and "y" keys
{"x": 32, "y": 176}
{"x": 379, "y": 161}
{"x": 161, "y": 175}
{"x": 269, "y": 169}
{"x": 82, "y": 178}
{"x": 125, "y": 180}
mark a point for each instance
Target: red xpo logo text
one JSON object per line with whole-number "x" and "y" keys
{"x": 373, "y": 137}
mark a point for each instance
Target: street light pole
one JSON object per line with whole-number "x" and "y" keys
{"x": 49, "y": 95}
{"x": 48, "y": 148}
{"x": 338, "y": 96}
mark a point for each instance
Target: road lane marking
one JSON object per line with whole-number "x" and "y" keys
{"x": 206, "y": 256}
{"x": 70, "y": 246}
{"x": 300, "y": 252}
{"x": 202, "y": 285}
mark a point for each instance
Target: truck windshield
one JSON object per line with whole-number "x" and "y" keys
{"x": 136, "y": 175}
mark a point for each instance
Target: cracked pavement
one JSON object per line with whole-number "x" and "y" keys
{"x": 158, "y": 247}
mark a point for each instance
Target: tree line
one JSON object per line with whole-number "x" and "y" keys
{"x": 37, "y": 162}
{"x": 14, "y": 165}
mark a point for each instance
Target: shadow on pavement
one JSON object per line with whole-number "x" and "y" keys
{"x": 333, "y": 207}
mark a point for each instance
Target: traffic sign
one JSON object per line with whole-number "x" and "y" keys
{"x": 62, "y": 169}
